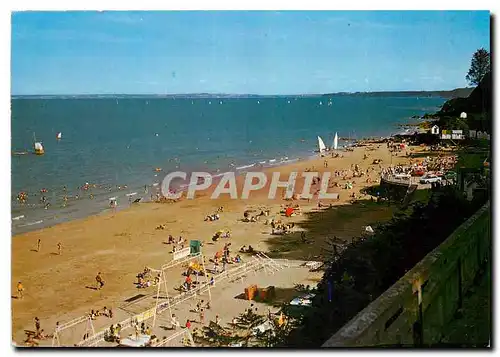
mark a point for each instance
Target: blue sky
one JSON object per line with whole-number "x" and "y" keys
{"x": 243, "y": 52}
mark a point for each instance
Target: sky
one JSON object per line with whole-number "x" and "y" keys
{"x": 243, "y": 52}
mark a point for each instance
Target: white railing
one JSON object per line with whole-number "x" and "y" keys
{"x": 180, "y": 333}
{"x": 257, "y": 263}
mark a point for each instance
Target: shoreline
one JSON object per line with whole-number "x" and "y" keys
{"x": 100, "y": 206}
{"x": 120, "y": 245}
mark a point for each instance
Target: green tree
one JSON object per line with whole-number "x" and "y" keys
{"x": 479, "y": 66}
{"x": 214, "y": 335}
{"x": 245, "y": 324}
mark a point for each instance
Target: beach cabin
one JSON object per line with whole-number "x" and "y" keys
{"x": 435, "y": 130}
{"x": 457, "y": 135}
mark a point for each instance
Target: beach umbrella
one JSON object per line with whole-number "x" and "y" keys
{"x": 289, "y": 211}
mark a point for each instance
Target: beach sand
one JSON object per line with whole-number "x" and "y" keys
{"x": 119, "y": 245}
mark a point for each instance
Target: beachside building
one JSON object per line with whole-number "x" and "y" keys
{"x": 457, "y": 135}
{"x": 452, "y": 134}
{"x": 435, "y": 130}
{"x": 446, "y": 134}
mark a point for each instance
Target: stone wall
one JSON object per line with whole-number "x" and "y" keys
{"x": 414, "y": 310}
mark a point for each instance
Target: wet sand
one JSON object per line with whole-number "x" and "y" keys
{"x": 57, "y": 287}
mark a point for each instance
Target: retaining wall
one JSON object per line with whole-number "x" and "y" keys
{"x": 416, "y": 308}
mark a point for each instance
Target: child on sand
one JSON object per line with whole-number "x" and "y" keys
{"x": 99, "y": 281}
{"x": 37, "y": 325}
{"x": 174, "y": 322}
{"x": 202, "y": 316}
{"x": 38, "y": 245}
{"x": 59, "y": 248}
{"x": 20, "y": 290}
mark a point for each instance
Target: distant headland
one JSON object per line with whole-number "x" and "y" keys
{"x": 454, "y": 93}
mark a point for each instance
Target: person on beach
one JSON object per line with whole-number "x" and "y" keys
{"x": 188, "y": 282}
{"x": 59, "y": 248}
{"x": 217, "y": 319}
{"x": 37, "y": 325}
{"x": 38, "y": 245}
{"x": 30, "y": 341}
{"x": 136, "y": 329}
{"x": 174, "y": 322}
{"x": 20, "y": 290}
{"x": 202, "y": 316}
{"x": 188, "y": 324}
{"x": 100, "y": 282}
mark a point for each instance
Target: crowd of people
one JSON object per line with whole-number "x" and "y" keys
{"x": 223, "y": 257}
{"x": 145, "y": 279}
{"x": 104, "y": 312}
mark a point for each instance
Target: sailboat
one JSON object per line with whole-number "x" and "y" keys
{"x": 38, "y": 146}
{"x": 335, "y": 144}
{"x": 59, "y": 136}
{"x": 321, "y": 145}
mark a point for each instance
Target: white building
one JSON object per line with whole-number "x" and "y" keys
{"x": 457, "y": 135}
{"x": 435, "y": 130}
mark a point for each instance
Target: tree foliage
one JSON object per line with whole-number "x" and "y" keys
{"x": 479, "y": 66}
{"x": 369, "y": 266}
{"x": 214, "y": 335}
{"x": 244, "y": 333}
{"x": 245, "y": 324}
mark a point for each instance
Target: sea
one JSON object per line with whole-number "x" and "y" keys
{"x": 111, "y": 146}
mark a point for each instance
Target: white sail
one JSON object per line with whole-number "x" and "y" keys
{"x": 38, "y": 146}
{"x": 335, "y": 142}
{"x": 321, "y": 145}
{"x": 59, "y": 135}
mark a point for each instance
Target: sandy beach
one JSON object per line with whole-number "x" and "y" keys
{"x": 120, "y": 245}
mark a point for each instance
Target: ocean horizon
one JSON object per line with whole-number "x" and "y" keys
{"x": 115, "y": 143}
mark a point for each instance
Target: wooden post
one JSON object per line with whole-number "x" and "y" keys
{"x": 157, "y": 298}
{"x": 164, "y": 275}
{"x": 206, "y": 276}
